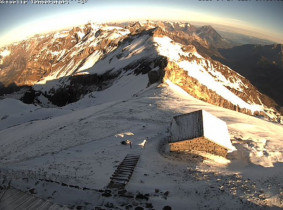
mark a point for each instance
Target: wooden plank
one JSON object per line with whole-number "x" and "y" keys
{"x": 27, "y": 202}
{"x": 17, "y": 200}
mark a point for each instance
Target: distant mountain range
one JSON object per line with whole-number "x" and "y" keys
{"x": 63, "y": 67}
{"x": 240, "y": 39}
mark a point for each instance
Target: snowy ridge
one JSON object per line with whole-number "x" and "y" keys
{"x": 202, "y": 70}
{"x": 85, "y": 41}
{"x": 131, "y": 52}
{"x": 63, "y": 60}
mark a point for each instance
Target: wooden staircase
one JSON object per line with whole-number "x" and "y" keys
{"x": 124, "y": 171}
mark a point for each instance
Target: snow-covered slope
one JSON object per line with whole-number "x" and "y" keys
{"x": 68, "y": 158}
{"x": 65, "y": 66}
{"x": 205, "y": 72}
{"x": 14, "y": 112}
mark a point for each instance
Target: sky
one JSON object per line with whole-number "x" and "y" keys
{"x": 261, "y": 18}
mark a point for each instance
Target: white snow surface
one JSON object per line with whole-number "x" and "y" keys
{"x": 61, "y": 34}
{"x": 123, "y": 88}
{"x": 216, "y": 130}
{"x": 5, "y": 53}
{"x": 82, "y": 148}
{"x": 140, "y": 47}
{"x": 80, "y": 144}
{"x": 167, "y": 47}
{"x": 13, "y": 112}
{"x": 90, "y": 61}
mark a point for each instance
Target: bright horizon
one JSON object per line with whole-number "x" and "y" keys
{"x": 31, "y": 19}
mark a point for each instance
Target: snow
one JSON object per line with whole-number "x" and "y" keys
{"x": 14, "y": 112}
{"x": 5, "y": 53}
{"x": 198, "y": 72}
{"x": 124, "y": 55}
{"x": 216, "y": 130}
{"x": 79, "y": 144}
{"x": 236, "y": 83}
{"x": 80, "y": 34}
{"x": 90, "y": 61}
{"x": 12, "y": 106}
{"x": 82, "y": 148}
{"x": 117, "y": 34}
{"x": 122, "y": 89}
{"x": 184, "y": 25}
{"x": 167, "y": 47}
{"x": 211, "y": 78}
{"x": 111, "y": 28}
{"x": 61, "y": 34}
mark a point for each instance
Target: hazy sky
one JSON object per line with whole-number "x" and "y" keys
{"x": 263, "y": 17}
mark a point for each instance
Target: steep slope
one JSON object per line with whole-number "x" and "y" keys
{"x": 68, "y": 65}
{"x": 262, "y": 65}
{"x": 134, "y": 56}
{"x": 57, "y": 55}
{"x": 211, "y": 81}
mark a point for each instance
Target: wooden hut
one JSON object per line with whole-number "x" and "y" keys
{"x": 200, "y": 131}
